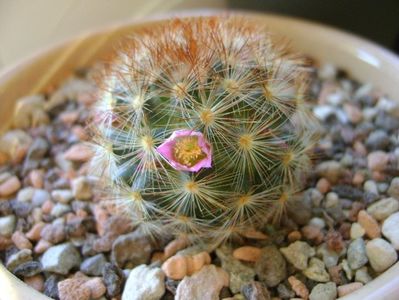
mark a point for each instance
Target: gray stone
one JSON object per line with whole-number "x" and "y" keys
{"x": 378, "y": 140}
{"x": 113, "y": 278}
{"x": 316, "y": 271}
{"x": 271, "y": 267}
{"x": 255, "y": 291}
{"x": 357, "y": 254}
{"x": 25, "y": 194}
{"x": 7, "y": 225}
{"x": 205, "y": 284}
{"x": 18, "y": 258}
{"x": 284, "y": 292}
{"x": 330, "y": 257}
{"x": 324, "y": 291}
{"x": 28, "y": 269}
{"x": 61, "y": 258}
{"x": 362, "y": 275}
{"x": 39, "y": 197}
{"x": 381, "y": 254}
{"x": 144, "y": 283}
{"x": 60, "y": 209}
{"x": 134, "y": 248}
{"x": 93, "y": 265}
{"x": 393, "y": 190}
{"x": 383, "y": 208}
{"x": 298, "y": 254}
{"x": 331, "y": 170}
{"x": 390, "y": 229}
{"x": 240, "y": 274}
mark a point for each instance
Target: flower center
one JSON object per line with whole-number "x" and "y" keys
{"x": 186, "y": 150}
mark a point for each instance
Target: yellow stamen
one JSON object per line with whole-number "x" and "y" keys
{"x": 191, "y": 187}
{"x": 147, "y": 142}
{"x": 230, "y": 85}
{"x": 186, "y": 151}
{"x": 283, "y": 198}
{"x": 207, "y": 117}
{"x": 180, "y": 90}
{"x": 245, "y": 142}
{"x": 243, "y": 200}
{"x": 136, "y": 196}
{"x": 287, "y": 158}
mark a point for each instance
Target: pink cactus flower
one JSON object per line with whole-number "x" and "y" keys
{"x": 187, "y": 150}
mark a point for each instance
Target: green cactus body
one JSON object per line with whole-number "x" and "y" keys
{"x": 241, "y": 93}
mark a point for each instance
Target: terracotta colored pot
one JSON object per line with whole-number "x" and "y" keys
{"x": 364, "y": 60}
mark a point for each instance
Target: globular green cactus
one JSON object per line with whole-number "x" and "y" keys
{"x": 202, "y": 127}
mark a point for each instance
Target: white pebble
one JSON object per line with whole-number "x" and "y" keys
{"x": 390, "y": 229}
{"x": 381, "y": 254}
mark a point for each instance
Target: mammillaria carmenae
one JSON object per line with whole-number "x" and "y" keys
{"x": 202, "y": 127}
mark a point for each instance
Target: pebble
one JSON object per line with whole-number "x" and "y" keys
{"x": 10, "y": 186}
{"x": 50, "y": 286}
{"x": 7, "y": 225}
{"x": 346, "y": 289}
{"x": 25, "y": 194}
{"x": 146, "y": 283}
{"x": 60, "y": 209}
{"x": 36, "y": 282}
{"x": 330, "y": 257}
{"x": 78, "y": 153}
{"x": 20, "y": 240}
{"x": 113, "y": 278}
{"x": 369, "y": 224}
{"x": 81, "y": 188}
{"x": 36, "y": 178}
{"x": 96, "y": 287}
{"x": 316, "y": 271}
{"x": 377, "y": 160}
{"x": 18, "y": 258}
{"x": 323, "y": 185}
{"x": 53, "y": 233}
{"x": 298, "y": 287}
{"x": 34, "y": 233}
{"x": 271, "y": 267}
{"x": 134, "y": 248}
{"x": 298, "y": 254}
{"x": 362, "y": 275}
{"x": 42, "y": 246}
{"x": 73, "y": 289}
{"x": 27, "y": 269}
{"x": 93, "y": 265}
{"x": 324, "y": 291}
{"x": 357, "y": 231}
{"x": 178, "y": 266}
{"x": 356, "y": 254}
{"x": 378, "y": 140}
{"x": 381, "y": 254}
{"x": 15, "y": 143}
{"x": 62, "y": 196}
{"x": 61, "y": 258}
{"x": 247, "y": 253}
{"x": 205, "y": 284}
{"x": 240, "y": 274}
{"x": 255, "y": 290}
{"x": 330, "y": 170}
{"x": 390, "y": 229}
{"x": 383, "y": 208}
{"x": 393, "y": 189}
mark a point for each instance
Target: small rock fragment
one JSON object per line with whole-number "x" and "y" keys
{"x": 7, "y": 225}
{"x": 381, "y": 254}
{"x": 369, "y": 224}
{"x": 298, "y": 254}
{"x": 93, "y": 265}
{"x": 390, "y": 229}
{"x": 383, "y": 208}
{"x": 61, "y": 258}
{"x": 316, "y": 271}
{"x": 298, "y": 287}
{"x": 247, "y": 253}
{"x": 357, "y": 254}
{"x": 348, "y": 288}
{"x": 145, "y": 283}
{"x": 271, "y": 267}
{"x": 324, "y": 291}
{"x": 113, "y": 278}
{"x": 255, "y": 290}
{"x": 357, "y": 231}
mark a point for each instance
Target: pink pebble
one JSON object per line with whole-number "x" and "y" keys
{"x": 348, "y": 288}
{"x": 78, "y": 152}
{"x": 34, "y": 233}
{"x": 96, "y": 286}
{"x": 323, "y": 185}
{"x": 37, "y": 178}
{"x": 47, "y": 206}
{"x": 20, "y": 240}
{"x": 42, "y": 246}
{"x": 369, "y": 224}
{"x": 377, "y": 160}
{"x": 10, "y": 186}
{"x": 36, "y": 282}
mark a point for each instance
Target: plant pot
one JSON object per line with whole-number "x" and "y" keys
{"x": 364, "y": 60}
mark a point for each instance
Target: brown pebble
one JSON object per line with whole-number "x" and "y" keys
{"x": 96, "y": 286}
{"x": 312, "y": 233}
{"x": 178, "y": 266}
{"x": 80, "y": 132}
{"x": 157, "y": 256}
{"x": 334, "y": 241}
{"x": 345, "y": 230}
{"x": 247, "y": 253}
{"x": 294, "y": 236}
{"x": 323, "y": 185}
{"x": 78, "y": 153}
{"x": 4, "y": 242}
{"x": 335, "y": 273}
{"x": 36, "y": 178}
{"x": 298, "y": 287}
{"x": 254, "y": 235}
{"x": 377, "y": 160}
{"x": 174, "y": 246}
{"x": 20, "y": 240}
{"x": 69, "y": 117}
{"x": 34, "y": 233}
{"x": 54, "y": 233}
{"x": 348, "y": 288}
{"x": 369, "y": 224}
{"x": 10, "y": 186}
{"x": 36, "y": 282}
{"x": 74, "y": 289}
{"x": 42, "y": 246}
{"x": 4, "y": 158}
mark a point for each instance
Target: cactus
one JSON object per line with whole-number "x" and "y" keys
{"x": 202, "y": 127}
